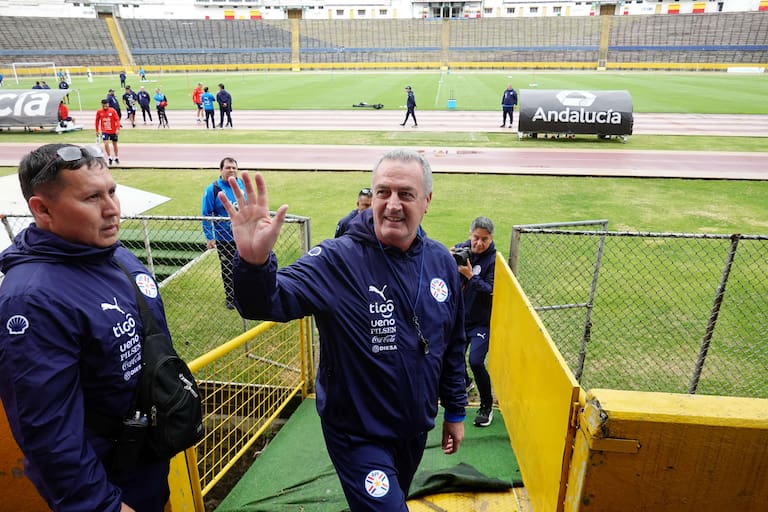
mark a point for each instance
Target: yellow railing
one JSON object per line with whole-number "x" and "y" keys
{"x": 245, "y": 384}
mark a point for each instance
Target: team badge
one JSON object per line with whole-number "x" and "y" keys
{"x": 147, "y": 285}
{"x": 438, "y": 289}
{"x": 377, "y": 483}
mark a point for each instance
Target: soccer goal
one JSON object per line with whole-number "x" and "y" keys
{"x": 34, "y": 70}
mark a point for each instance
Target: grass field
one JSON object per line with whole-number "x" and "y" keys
{"x": 702, "y": 93}
{"x": 631, "y": 204}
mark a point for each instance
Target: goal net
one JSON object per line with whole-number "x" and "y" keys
{"x": 35, "y": 70}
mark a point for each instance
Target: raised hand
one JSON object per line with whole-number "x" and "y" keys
{"x": 255, "y": 231}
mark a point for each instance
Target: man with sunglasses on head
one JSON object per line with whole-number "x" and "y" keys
{"x": 71, "y": 336}
{"x": 364, "y": 198}
{"x": 107, "y": 128}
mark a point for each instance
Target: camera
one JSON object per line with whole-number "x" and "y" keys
{"x": 461, "y": 255}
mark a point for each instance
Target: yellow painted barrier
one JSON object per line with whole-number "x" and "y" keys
{"x": 665, "y": 452}
{"x": 16, "y": 490}
{"x": 537, "y": 393}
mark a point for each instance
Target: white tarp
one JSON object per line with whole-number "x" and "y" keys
{"x": 30, "y": 107}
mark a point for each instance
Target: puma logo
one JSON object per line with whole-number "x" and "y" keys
{"x": 378, "y": 292}
{"x": 106, "y": 306}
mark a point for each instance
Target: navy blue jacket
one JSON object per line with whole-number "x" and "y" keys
{"x": 224, "y": 99}
{"x": 112, "y": 99}
{"x": 70, "y": 342}
{"x": 374, "y": 379}
{"x": 411, "y": 100}
{"x": 509, "y": 98}
{"x": 343, "y": 224}
{"x": 478, "y": 291}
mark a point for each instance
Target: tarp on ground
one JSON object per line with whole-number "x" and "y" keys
{"x": 295, "y": 471}
{"x": 20, "y": 108}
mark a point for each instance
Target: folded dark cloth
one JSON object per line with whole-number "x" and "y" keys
{"x": 460, "y": 478}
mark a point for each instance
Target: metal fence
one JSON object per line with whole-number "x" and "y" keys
{"x": 668, "y": 312}
{"x": 189, "y": 275}
{"x": 245, "y": 385}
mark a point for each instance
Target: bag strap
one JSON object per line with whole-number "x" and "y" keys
{"x": 148, "y": 321}
{"x": 103, "y": 424}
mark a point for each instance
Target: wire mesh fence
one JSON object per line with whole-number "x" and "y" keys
{"x": 668, "y": 312}
{"x": 189, "y": 275}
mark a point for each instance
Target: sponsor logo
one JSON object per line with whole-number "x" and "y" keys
{"x": 17, "y": 324}
{"x": 28, "y": 104}
{"x": 576, "y": 98}
{"x": 377, "y": 483}
{"x": 385, "y": 308}
{"x": 383, "y": 325}
{"x": 315, "y": 251}
{"x": 577, "y": 116}
{"x": 577, "y": 110}
{"x": 107, "y": 306}
{"x": 438, "y": 289}
{"x": 389, "y": 338}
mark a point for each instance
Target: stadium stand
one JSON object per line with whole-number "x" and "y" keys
{"x": 684, "y": 41}
{"x": 70, "y": 42}
{"x": 190, "y": 42}
{"x": 703, "y": 38}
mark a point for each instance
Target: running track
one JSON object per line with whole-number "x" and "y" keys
{"x": 576, "y": 162}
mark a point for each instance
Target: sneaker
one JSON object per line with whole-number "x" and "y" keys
{"x": 117, "y": 161}
{"x": 484, "y": 416}
{"x": 110, "y": 161}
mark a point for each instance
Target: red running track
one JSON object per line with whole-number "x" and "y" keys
{"x": 576, "y": 162}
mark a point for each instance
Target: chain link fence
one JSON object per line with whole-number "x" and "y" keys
{"x": 174, "y": 250}
{"x": 667, "y": 312}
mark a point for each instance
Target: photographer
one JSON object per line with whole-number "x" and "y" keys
{"x": 476, "y": 261}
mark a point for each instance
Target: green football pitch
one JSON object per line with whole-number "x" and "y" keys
{"x": 701, "y": 93}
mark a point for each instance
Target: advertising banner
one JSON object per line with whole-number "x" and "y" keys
{"x": 30, "y": 107}
{"x": 582, "y": 112}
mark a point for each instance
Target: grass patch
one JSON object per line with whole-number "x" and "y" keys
{"x": 475, "y": 91}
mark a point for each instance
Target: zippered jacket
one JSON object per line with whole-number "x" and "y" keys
{"x": 70, "y": 342}
{"x": 374, "y": 378}
{"x": 478, "y": 291}
{"x": 212, "y": 207}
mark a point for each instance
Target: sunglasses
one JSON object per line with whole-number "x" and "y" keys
{"x": 71, "y": 154}
{"x": 366, "y": 192}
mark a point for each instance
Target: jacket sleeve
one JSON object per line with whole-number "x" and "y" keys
{"x": 263, "y": 293}
{"x": 453, "y": 393}
{"x": 41, "y": 390}
{"x": 482, "y": 282}
{"x": 208, "y": 210}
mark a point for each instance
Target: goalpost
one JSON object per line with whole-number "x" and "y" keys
{"x": 35, "y": 68}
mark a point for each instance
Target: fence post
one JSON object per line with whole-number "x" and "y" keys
{"x": 713, "y": 314}
{"x": 585, "y": 337}
{"x": 7, "y": 226}
{"x": 514, "y": 248}
{"x": 147, "y": 246}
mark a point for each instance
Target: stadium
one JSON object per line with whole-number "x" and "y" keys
{"x": 628, "y": 358}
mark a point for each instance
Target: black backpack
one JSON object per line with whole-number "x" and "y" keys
{"x": 165, "y": 417}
